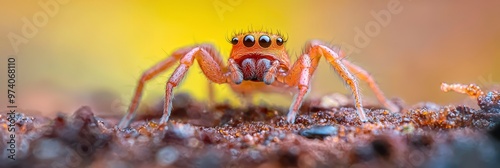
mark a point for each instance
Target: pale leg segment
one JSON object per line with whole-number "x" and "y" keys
{"x": 208, "y": 60}
{"x": 301, "y": 72}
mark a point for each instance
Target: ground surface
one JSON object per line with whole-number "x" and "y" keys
{"x": 326, "y": 134}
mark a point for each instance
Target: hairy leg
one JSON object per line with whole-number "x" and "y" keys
{"x": 209, "y": 61}
{"x": 211, "y": 94}
{"x": 302, "y": 70}
{"x": 365, "y": 76}
{"x": 146, "y": 76}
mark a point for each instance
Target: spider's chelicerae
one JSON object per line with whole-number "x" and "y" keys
{"x": 258, "y": 62}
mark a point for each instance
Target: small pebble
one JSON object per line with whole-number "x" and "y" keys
{"x": 167, "y": 156}
{"x": 319, "y": 132}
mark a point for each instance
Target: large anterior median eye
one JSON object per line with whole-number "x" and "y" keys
{"x": 264, "y": 41}
{"x": 234, "y": 41}
{"x": 249, "y": 40}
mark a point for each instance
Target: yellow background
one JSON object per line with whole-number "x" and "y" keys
{"x": 92, "y": 44}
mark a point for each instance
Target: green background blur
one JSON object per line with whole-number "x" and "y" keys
{"x": 93, "y": 44}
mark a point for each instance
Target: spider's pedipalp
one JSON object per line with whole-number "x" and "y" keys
{"x": 235, "y": 72}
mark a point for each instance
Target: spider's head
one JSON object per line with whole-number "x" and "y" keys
{"x": 258, "y": 44}
{"x": 254, "y": 52}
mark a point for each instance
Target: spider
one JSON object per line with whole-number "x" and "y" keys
{"x": 258, "y": 62}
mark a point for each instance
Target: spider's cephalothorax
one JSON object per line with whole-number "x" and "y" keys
{"x": 258, "y": 62}
{"x": 256, "y": 54}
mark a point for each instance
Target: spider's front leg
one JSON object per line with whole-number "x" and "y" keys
{"x": 302, "y": 70}
{"x": 209, "y": 61}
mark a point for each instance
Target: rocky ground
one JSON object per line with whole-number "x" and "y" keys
{"x": 326, "y": 134}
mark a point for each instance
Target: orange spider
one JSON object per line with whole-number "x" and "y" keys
{"x": 258, "y": 62}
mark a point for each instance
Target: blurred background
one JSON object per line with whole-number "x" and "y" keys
{"x": 69, "y": 49}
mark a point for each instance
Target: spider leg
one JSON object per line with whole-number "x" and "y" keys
{"x": 365, "y": 76}
{"x": 299, "y": 76}
{"x": 209, "y": 61}
{"x": 211, "y": 94}
{"x": 302, "y": 70}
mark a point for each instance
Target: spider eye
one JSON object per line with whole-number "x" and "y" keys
{"x": 264, "y": 41}
{"x": 234, "y": 41}
{"x": 279, "y": 41}
{"x": 249, "y": 40}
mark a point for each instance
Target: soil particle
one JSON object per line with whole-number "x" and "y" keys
{"x": 319, "y": 132}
